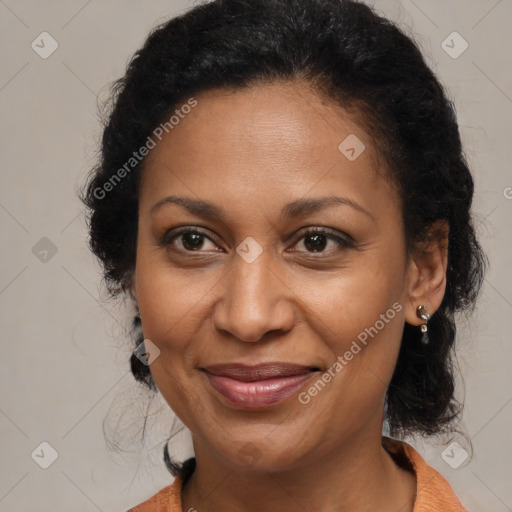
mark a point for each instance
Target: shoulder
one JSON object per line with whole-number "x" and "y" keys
{"x": 433, "y": 492}
{"x": 167, "y": 499}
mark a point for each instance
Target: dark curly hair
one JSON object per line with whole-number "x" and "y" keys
{"x": 364, "y": 63}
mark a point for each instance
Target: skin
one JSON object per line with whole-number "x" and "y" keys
{"x": 251, "y": 152}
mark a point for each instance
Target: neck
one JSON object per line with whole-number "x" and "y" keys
{"x": 359, "y": 475}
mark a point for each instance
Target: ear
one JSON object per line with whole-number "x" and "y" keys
{"x": 133, "y": 286}
{"x": 426, "y": 280}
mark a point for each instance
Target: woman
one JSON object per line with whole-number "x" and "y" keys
{"x": 282, "y": 191}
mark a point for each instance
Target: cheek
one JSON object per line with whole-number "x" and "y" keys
{"x": 169, "y": 311}
{"x": 360, "y": 317}
{"x": 354, "y": 298}
{"x": 169, "y": 300}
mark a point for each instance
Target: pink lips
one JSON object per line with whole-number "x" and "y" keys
{"x": 252, "y": 387}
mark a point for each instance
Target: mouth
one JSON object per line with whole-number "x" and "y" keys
{"x": 258, "y": 386}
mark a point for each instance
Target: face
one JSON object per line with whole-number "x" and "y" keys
{"x": 271, "y": 272}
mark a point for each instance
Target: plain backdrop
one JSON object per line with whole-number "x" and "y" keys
{"x": 65, "y": 349}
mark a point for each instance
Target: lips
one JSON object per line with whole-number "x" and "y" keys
{"x": 246, "y": 373}
{"x": 257, "y": 386}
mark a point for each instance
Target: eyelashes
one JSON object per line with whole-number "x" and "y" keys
{"x": 193, "y": 240}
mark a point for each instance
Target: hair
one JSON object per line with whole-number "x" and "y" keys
{"x": 365, "y": 64}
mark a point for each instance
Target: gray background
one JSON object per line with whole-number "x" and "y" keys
{"x": 65, "y": 350}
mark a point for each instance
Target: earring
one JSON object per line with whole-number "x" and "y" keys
{"x": 422, "y": 313}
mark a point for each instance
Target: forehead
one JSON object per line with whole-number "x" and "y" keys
{"x": 272, "y": 140}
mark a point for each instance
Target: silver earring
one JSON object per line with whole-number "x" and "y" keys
{"x": 422, "y": 313}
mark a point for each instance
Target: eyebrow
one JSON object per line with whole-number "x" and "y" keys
{"x": 295, "y": 209}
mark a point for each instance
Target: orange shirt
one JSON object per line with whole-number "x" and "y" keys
{"x": 433, "y": 492}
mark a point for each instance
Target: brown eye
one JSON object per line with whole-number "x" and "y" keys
{"x": 318, "y": 240}
{"x": 192, "y": 241}
{"x": 187, "y": 240}
{"x": 315, "y": 242}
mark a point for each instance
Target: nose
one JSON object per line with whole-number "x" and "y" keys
{"x": 256, "y": 301}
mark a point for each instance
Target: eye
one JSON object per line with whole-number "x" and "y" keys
{"x": 316, "y": 240}
{"x": 189, "y": 240}
{"x": 313, "y": 240}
